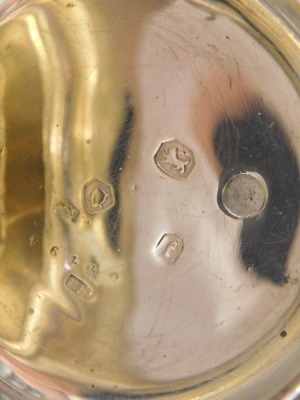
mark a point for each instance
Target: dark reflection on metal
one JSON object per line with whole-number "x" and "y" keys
{"x": 118, "y": 161}
{"x": 153, "y": 395}
{"x": 258, "y": 143}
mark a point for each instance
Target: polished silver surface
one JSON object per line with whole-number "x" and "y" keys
{"x": 127, "y": 132}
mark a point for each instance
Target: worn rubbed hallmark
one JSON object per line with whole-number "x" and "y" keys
{"x": 66, "y": 211}
{"x": 78, "y": 286}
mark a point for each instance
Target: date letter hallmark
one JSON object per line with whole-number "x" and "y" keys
{"x": 169, "y": 248}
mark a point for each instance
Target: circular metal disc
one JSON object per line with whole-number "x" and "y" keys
{"x": 244, "y": 195}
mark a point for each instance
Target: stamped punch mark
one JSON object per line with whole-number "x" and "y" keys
{"x": 97, "y": 196}
{"x": 175, "y": 159}
{"x": 169, "y": 248}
